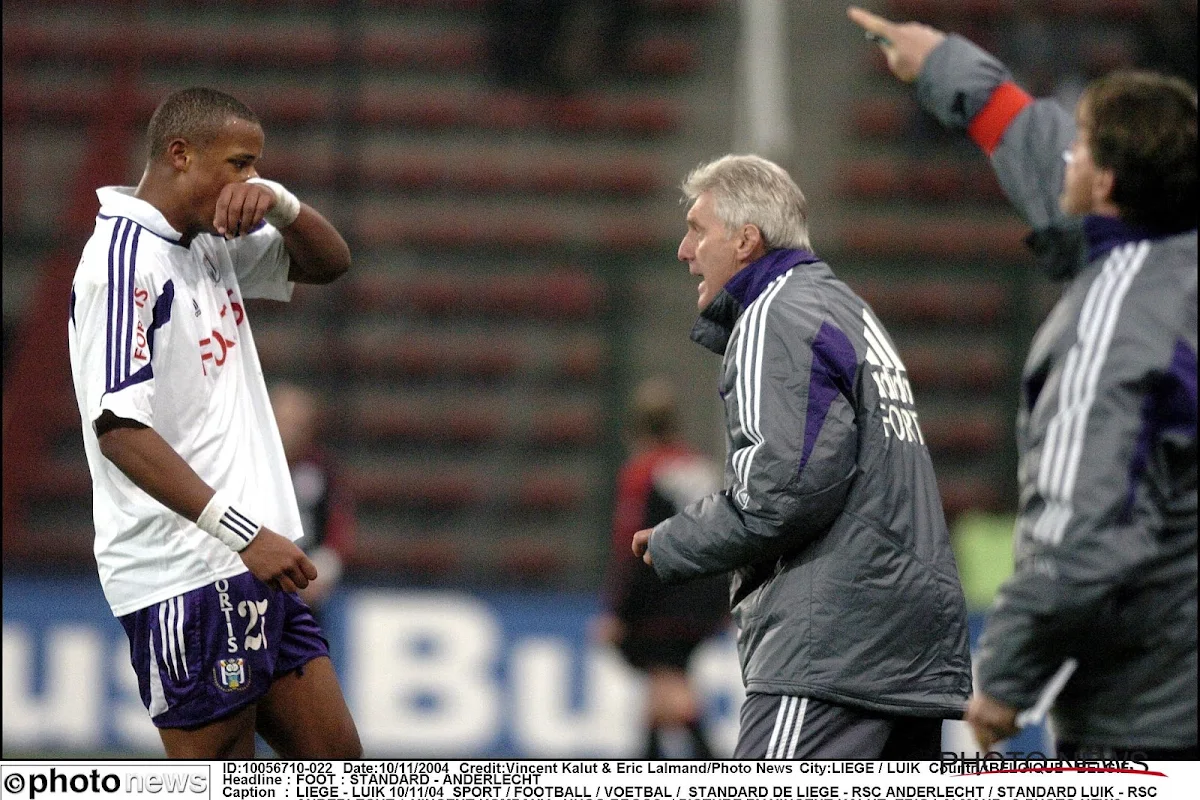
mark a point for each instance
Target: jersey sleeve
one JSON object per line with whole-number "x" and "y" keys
{"x": 117, "y": 318}
{"x": 1129, "y": 385}
{"x": 792, "y": 472}
{"x": 968, "y": 89}
{"x": 261, "y": 263}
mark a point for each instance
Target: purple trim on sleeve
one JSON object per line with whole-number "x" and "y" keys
{"x": 129, "y": 302}
{"x": 1170, "y": 407}
{"x": 751, "y": 281}
{"x": 834, "y": 365}
{"x": 162, "y": 315}
{"x": 113, "y": 299}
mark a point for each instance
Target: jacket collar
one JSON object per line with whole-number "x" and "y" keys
{"x": 1102, "y": 234}
{"x": 715, "y": 324}
{"x": 119, "y": 201}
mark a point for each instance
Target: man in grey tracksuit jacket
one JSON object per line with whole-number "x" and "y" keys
{"x": 852, "y": 629}
{"x": 1106, "y": 534}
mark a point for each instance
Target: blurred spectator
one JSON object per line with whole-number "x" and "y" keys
{"x": 1167, "y": 39}
{"x": 527, "y": 40}
{"x": 326, "y": 510}
{"x": 656, "y": 627}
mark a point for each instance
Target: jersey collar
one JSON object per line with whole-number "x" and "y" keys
{"x": 715, "y": 323}
{"x": 118, "y": 201}
{"x": 1102, "y": 234}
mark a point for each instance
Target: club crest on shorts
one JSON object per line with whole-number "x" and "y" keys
{"x": 231, "y": 674}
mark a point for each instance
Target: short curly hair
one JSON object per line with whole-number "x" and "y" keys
{"x": 1142, "y": 126}
{"x": 195, "y": 114}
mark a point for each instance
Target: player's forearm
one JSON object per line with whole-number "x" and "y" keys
{"x": 154, "y": 466}
{"x": 318, "y": 252}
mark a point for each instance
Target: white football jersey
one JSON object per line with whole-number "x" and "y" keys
{"x": 158, "y": 334}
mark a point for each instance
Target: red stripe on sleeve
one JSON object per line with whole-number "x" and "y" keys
{"x": 992, "y": 120}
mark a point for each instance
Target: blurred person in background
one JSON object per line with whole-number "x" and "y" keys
{"x": 194, "y": 510}
{"x": 852, "y": 625}
{"x": 1106, "y": 533}
{"x": 326, "y": 509}
{"x": 527, "y": 41}
{"x": 657, "y": 626}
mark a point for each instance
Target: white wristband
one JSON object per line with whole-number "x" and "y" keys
{"x": 221, "y": 520}
{"x": 287, "y": 205}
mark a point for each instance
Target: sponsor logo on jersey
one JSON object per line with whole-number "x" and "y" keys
{"x": 897, "y": 404}
{"x": 231, "y": 674}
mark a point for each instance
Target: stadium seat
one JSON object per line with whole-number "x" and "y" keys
{"x": 545, "y": 491}
{"x": 950, "y": 367}
{"x": 933, "y": 301}
{"x": 286, "y": 348}
{"x": 524, "y": 560}
{"x": 572, "y": 426}
{"x": 974, "y": 433}
{"x": 872, "y": 179}
{"x": 941, "y": 239}
{"x": 426, "y": 355}
{"x": 440, "y": 108}
{"x": 967, "y": 493}
{"x": 932, "y": 10}
{"x": 882, "y": 117}
{"x": 426, "y": 556}
{"x": 405, "y": 487}
{"x": 379, "y": 417}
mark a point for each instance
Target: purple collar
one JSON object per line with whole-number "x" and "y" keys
{"x": 1102, "y": 234}
{"x": 750, "y": 282}
{"x": 716, "y": 321}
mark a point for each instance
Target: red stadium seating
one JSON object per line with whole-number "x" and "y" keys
{"x": 953, "y": 366}
{"x": 531, "y": 560}
{"x": 962, "y": 240}
{"x": 965, "y": 433}
{"x": 930, "y": 301}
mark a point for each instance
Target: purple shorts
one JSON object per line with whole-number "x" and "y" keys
{"x": 209, "y": 652}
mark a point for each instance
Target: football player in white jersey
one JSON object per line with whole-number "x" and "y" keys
{"x": 194, "y": 509}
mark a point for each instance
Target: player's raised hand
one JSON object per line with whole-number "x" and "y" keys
{"x": 240, "y": 207}
{"x": 278, "y": 562}
{"x": 906, "y": 44}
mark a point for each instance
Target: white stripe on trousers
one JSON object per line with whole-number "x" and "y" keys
{"x": 170, "y": 634}
{"x": 786, "y": 735}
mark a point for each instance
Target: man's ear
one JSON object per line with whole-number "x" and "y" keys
{"x": 1103, "y": 183}
{"x": 179, "y": 154}
{"x": 750, "y": 240}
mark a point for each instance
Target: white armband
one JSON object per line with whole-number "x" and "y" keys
{"x": 221, "y": 520}
{"x": 287, "y": 205}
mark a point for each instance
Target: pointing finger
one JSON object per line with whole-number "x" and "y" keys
{"x": 871, "y": 23}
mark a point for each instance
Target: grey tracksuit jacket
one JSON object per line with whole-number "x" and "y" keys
{"x": 844, "y": 587}
{"x": 1106, "y": 533}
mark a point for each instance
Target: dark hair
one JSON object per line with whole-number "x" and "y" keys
{"x": 195, "y": 114}
{"x": 1143, "y": 128}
